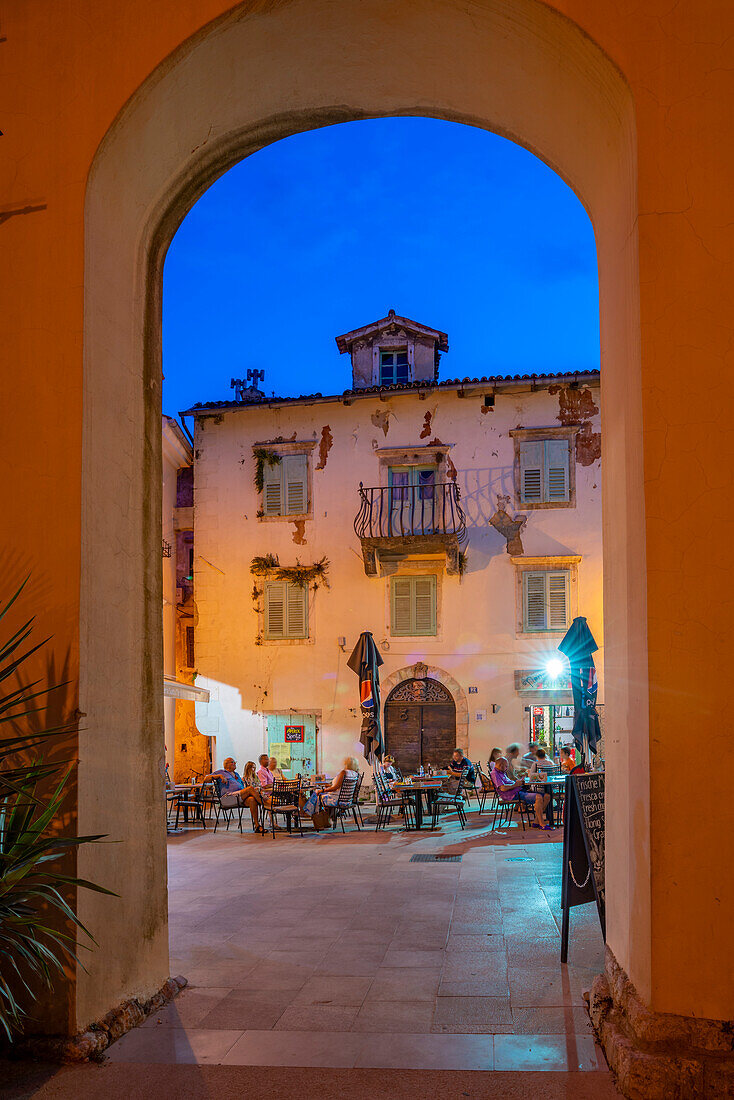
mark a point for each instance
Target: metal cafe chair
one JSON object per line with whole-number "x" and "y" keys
{"x": 387, "y": 801}
{"x": 447, "y": 802}
{"x": 356, "y": 808}
{"x": 488, "y": 791}
{"x": 190, "y": 800}
{"x": 225, "y": 812}
{"x": 344, "y": 803}
{"x": 284, "y": 800}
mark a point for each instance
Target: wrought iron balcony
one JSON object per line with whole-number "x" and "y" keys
{"x": 410, "y": 519}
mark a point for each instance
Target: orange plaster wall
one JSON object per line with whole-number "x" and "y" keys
{"x": 68, "y": 69}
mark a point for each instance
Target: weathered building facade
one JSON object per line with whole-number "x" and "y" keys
{"x": 187, "y": 751}
{"x": 458, "y": 521}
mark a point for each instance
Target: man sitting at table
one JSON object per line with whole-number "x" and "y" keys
{"x": 509, "y": 790}
{"x": 235, "y": 793}
{"x": 515, "y": 766}
{"x": 457, "y": 764}
{"x": 542, "y": 765}
{"x": 266, "y": 777}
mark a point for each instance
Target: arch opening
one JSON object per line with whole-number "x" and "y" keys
{"x": 242, "y": 84}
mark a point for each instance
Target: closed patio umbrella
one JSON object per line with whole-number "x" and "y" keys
{"x": 578, "y": 645}
{"x": 365, "y": 662}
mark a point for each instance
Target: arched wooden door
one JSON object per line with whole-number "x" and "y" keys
{"x": 420, "y": 724}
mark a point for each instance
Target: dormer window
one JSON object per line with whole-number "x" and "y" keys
{"x": 393, "y": 368}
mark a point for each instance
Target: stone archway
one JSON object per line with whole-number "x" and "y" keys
{"x": 421, "y": 671}
{"x": 245, "y": 81}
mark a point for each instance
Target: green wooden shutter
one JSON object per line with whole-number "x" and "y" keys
{"x": 275, "y": 610}
{"x": 556, "y": 469}
{"x": 413, "y": 605}
{"x": 424, "y": 605}
{"x": 534, "y": 601}
{"x": 401, "y": 591}
{"x": 273, "y": 489}
{"x": 557, "y": 600}
{"x": 295, "y": 480}
{"x": 531, "y": 472}
{"x": 296, "y": 611}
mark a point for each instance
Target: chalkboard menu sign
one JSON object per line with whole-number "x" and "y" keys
{"x": 583, "y": 849}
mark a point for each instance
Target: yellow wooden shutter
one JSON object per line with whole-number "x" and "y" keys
{"x": 272, "y": 489}
{"x": 556, "y": 469}
{"x": 557, "y": 601}
{"x": 295, "y": 478}
{"x": 401, "y": 593}
{"x": 424, "y": 605}
{"x": 534, "y": 601}
{"x": 275, "y": 610}
{"x": 297, "y": 610}
{"x": 531, "y": 472}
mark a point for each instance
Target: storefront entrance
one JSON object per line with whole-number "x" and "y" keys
{"x": 420, "y": 724}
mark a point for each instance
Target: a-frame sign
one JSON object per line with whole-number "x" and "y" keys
{"x": 583, "y": 850}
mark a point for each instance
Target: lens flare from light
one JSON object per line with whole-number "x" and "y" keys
{"x": 554, "y": 668}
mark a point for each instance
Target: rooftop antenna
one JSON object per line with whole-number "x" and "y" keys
{"x": 242, "y": 391}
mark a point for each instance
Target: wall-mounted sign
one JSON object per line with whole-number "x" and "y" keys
{"x": 294, "y": 733}
{"x": 481, "y": 715}
{"x": 532, "y": 679}
{"x": 473, "y": 690}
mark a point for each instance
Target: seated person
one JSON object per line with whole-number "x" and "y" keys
{"x": 515, "y": 767}
{"x": 543, "y": 764}
{"x": 273, "y": 766}
{"x": 329, "y": 796}
{"x": 457, "y": 764}
{"x": 494, "y": 755}
{"x": 509, "y": 790}
{"x": 529, "y": 758}
{"x": 235, "y": 792}
{"x": 567, "y": 759}
{"x": 388, "y": 769}
{"x": 265, "y": 778}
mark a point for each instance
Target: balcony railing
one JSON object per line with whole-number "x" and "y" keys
{"x": 410, "y": 511}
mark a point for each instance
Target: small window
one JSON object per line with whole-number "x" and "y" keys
{"x": 285, "y": 486}
{"x": 286, "y": 610}
{"x": 393, "y": 368}
{"x": 412, "y": 606}
{"x": 190, "y": 647}
{"x": 544, "y": 471}
{"x": 545, "y": 601}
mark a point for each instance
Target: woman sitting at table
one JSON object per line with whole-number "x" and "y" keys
{"x": 234, "y": 792}
{"x": 494, "y": 755}
{"x": 329, "y": 796}
{"x": 387, "y": 768}
{"x": 567, "y": 761}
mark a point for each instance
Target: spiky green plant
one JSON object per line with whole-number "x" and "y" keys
{"x": 38, "y": 926}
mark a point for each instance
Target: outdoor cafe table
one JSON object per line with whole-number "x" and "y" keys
{"x": 430, "y": 784}
{"x": 554, "y": 785}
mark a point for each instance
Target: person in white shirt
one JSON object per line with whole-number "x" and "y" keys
{"x": 543, "y": 764}
{"x": 529, "y": 758}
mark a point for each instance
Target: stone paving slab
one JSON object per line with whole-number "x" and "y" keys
{"x": 333, "y": 951}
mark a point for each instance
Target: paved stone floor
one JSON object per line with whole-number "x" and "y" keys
{"x": 336, "y": 952}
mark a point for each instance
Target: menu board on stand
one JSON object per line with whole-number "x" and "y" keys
{"x": 583, "y": 850}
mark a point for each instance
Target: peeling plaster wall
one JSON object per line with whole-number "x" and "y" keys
{"x": 477, "y": 642}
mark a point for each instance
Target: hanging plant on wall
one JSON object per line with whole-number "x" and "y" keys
{"x": 261, "y": 456}
{"x": 261, "y": 567}
{"x": 302, "y": 575}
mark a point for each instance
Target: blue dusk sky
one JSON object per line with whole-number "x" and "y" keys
{"x": 326, "y": 231}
